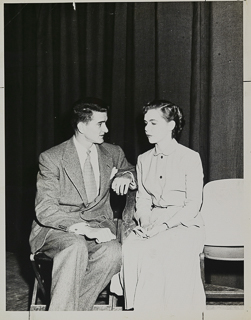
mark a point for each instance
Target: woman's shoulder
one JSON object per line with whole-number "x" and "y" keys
{"x": 185, "y": 150}
{"x": 146, "y": 155}
{"x": 187, "y": 154}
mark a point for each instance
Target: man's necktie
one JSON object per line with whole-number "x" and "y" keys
{"x": 89, "y": 179}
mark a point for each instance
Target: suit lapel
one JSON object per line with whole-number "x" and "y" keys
{"x": 73, "y": 169}
{"x": 105, "y": 169}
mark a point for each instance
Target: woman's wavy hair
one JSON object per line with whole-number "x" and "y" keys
{"x": 170, "y": 112}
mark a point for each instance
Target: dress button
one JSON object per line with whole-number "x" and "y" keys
{"x": 161, "y": 157}
{"x": 160, "y": 177}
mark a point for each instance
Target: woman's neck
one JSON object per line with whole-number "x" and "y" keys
{"x": 164, "y": 145}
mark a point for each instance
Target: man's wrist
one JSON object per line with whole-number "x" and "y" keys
{"x": 133, "y": 184}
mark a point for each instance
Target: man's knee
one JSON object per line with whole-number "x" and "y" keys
{"x": 79, "y": 244}
{"x": 116, "y": 250}
{"x": 117, "y": 254}
{"x": 76, "y": 246}
{"x": 112, "y": 254}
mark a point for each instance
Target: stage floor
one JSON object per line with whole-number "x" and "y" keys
{"x": 20, "y": 279}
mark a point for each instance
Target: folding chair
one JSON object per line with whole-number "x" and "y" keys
{"x": 223, "y": 213}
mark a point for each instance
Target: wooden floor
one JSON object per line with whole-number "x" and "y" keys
{"x": 20, "y": 279}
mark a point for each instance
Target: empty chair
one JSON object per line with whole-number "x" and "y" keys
{"x": 223, "y": 211}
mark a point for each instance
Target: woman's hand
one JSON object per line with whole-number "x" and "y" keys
{"x": 156, "y": 229}
{"x": 158, "y": 216}
{"x": 144, "y": 221}
{"x": 139, "y": 231}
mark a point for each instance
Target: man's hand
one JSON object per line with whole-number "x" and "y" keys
{"x": 100, "y": 234}
{"x": 121, "y": 184}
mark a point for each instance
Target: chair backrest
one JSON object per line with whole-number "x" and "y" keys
{"x": 223, "y": 212}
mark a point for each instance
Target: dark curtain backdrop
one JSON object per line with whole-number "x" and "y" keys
{"x": 127, "y": 54}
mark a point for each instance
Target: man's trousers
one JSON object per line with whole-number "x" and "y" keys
{"x": 81, "y": 269}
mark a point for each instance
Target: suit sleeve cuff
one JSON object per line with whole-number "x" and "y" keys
{"x": 133, "y": 184}
{"x": 65, "y": 226}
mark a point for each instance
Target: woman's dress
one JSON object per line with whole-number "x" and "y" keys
{"x": 163, "y": 272}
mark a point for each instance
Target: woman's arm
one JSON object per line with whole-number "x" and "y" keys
{"x": 143, "y": 199}
{"x": 161, "y": 220}
{"x": 194, "y": 187}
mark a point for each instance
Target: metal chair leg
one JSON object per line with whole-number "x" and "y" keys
{"x": 34, "y": 306}
{"x": 202, "y": 268}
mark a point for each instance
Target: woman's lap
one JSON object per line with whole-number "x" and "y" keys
{"x": 172, "y": 240}
{"x": 168, "y": 262}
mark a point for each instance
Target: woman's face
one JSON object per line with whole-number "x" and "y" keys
{"x": 157, "y": 128}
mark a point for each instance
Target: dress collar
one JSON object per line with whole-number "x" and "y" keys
{"x": 168, "y": 150}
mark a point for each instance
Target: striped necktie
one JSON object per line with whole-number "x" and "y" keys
{"x": 89, "y": 179}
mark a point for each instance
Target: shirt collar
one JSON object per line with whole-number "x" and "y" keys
{"x": 80, "y": 148}
{"x": 172, "y": 146}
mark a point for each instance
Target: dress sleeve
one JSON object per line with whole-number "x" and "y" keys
{"x": 143, "y": 198}
{"x": 194, "y": 186}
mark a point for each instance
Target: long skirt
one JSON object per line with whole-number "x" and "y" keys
{"x": 163, "y": 272}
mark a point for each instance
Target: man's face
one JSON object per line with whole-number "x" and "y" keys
{"x": 94, "y": 130}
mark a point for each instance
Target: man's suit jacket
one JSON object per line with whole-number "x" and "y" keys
{"x": 61, "y": 197}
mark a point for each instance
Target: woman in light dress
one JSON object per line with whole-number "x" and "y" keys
{"x": 161, "y": 265}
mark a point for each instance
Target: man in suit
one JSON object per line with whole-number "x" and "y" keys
{"x": 74, "y": 220}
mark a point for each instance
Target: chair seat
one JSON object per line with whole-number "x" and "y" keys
{"x": 230, "y": 253}
{"x": 41, "y": 256}
{"x": 223, "y": 292}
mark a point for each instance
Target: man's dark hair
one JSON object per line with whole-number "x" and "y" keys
{"x": 83, "y": 110}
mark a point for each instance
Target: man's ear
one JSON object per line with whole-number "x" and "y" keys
{"x": 81, "y": 125}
